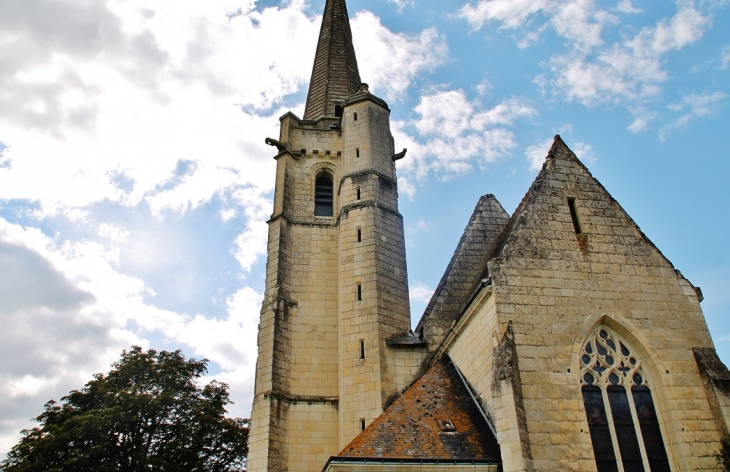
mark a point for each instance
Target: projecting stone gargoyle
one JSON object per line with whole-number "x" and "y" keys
{"x": 273, "y": 142}
{"x": 400, "y": 155}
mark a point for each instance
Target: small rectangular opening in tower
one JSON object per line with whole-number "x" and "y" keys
{"x": 357, "y": 190}
{"x": 355, "y": 116}
{"x": 357, "y": 152}
{"x": 359, "y": 235}
{"x": 574, "y": 215}
{"x": 362, "y": 349}
{"x": 359, "y": 292}
{"x": 362, "y": 424}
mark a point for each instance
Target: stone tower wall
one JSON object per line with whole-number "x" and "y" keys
{"x": 295, "y": 418}
{"x": 373, "y": 295}
{"x": 312, "y": 387}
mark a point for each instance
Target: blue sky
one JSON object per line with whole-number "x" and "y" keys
{"x": 135, "y": 182}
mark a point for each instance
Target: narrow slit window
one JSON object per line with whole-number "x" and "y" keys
{"x": 323, "y": 195}
{"x": 357, "y": 152}
{"x": 359, "y": 292}
{"x": 354, "y": 116}
{"x": 359, "y": 235}
{"x": 574, "y": 215}
{"x": 362, "y": 349}
{"x": 362, "y": 424}
{"x": 357, "y": 191}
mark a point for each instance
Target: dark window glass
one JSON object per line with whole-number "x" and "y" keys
{"x": 574, "y": 215}
{"x": 628, "y": 443}
{"x": 598, "y": 427}
{"x": 650, "y": 429}
{"x": 338, "y": 111}
{"x": 323, "y": 195}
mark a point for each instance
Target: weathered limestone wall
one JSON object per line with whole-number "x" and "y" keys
{"x": 484, "y": 352}
{"x": 716, "y": 378}
{"x": 373, "y": 283}
{"x": 297, "y": 366}
{"x": 311, "y": 435}
{"x": 404, "y": 364}
{"x": 556, "y": 286}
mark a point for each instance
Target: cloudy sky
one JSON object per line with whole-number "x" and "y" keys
{"x": 135, "y": 182}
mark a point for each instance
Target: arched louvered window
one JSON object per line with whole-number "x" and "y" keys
{"x": 323, "y": 196}
{"x": 622, "y": 420}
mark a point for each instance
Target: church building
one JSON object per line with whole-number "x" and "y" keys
{"x": 558, "y": 339}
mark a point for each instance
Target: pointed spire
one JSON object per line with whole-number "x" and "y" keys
{"x": 560, "y": 150}
{"x": 334, "y": 75}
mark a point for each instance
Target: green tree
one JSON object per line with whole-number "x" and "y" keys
{"x": 147, "y": 414}
{"x": 723, "y": 456}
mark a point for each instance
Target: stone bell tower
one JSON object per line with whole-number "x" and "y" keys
{"x": 335, "y": 316}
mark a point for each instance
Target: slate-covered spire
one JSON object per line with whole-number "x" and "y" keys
{"x": 334, "y": 75}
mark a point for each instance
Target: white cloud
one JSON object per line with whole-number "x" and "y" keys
{"x": 406, "y": 187}
{"x": 113, "y": 232}
{"x": 629, "y": 72}
{"x": 585, "y": 152}
{"x": 511, "y": 13}
{"x": 642, "y": 118}
{"x": 693, "y": 106}
{"x": 684, "y": 28}
{"x": 401, "y": 3}
{"x": 578, "y": 21}
{"x": 483, "y": 87}
{"x": 456, "y": 132}
{"x": 625, "y": 6}
{"x": 420, "y": 293}
{"x": 389, "y": 62}
{"x": 537, "y": 153}
{"x": 725, "y": 58}
{"x": 70, "y": 311}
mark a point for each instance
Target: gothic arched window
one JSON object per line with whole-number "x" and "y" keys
{"x": 622, "y": 420}
{"x": 323, "y": 195}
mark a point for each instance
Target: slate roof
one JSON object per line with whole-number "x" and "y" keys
{"x": 418, "y": 425}
{"x": 464, "y": 270}
{"x": 335, "y": 75}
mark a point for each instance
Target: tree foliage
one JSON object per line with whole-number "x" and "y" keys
{"x": 723, "y": 456}
{"x": 147, "y": 414}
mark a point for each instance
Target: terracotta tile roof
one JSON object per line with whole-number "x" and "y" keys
{"x": 436, "y": 418}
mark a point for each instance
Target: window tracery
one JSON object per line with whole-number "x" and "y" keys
{"x": 622, "y": 420}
